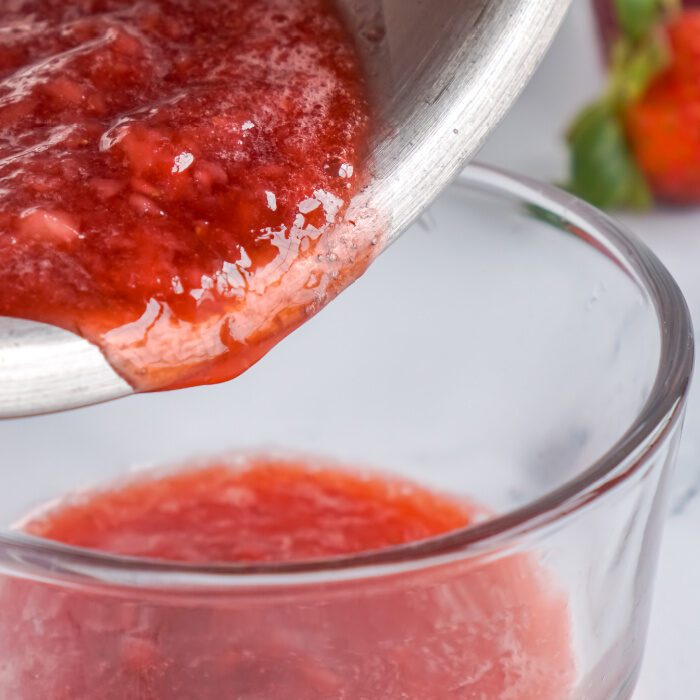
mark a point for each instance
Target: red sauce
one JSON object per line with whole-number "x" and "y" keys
{"x": 171, "y": 172}
{"x": 492, "y": 628}
{"x": 268, "y": 511}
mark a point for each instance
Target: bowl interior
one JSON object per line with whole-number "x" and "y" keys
{"x": 491, "y": 352}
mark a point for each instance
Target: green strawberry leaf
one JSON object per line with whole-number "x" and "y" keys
{"x": 639, "y": 195}
{"x": 603, "y": 170}
{"x": 589, "y": 116}
{"x": 638, "y": 17}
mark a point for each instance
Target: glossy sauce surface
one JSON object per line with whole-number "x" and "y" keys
{"x": 171, "y": 173}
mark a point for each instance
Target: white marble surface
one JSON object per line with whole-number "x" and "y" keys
{"x": 530, "y": 141}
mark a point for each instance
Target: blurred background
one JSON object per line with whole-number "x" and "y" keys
{"x": 531, "y": 140}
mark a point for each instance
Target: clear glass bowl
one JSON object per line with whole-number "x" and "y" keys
{"x": 515, "y": 348}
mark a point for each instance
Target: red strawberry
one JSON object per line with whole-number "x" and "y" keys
{"x": 643, "y": 137}
{"x": 684, "y": 39}
{"x": 663, "y": 127}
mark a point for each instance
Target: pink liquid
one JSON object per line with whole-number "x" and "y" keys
{"x": 468, "y": 629}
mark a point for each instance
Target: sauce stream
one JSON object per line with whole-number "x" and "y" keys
{"x": 174, "y": 175}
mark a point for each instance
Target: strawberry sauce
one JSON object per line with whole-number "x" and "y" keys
{"x": 473, "y": 627}
{"x": 267, "y": 511}
{"x": 174, "y": 174}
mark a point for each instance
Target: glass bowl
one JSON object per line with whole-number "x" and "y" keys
{"x": 515, "y": 348}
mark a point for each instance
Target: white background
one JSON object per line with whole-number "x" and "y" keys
{"x": 529, "y": 141}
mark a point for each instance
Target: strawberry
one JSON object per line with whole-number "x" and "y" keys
{"x": 663, "y": 127}
{"x": 641, "y": 140}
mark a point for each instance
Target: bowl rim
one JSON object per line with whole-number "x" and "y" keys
{"x": 658, "y": 417}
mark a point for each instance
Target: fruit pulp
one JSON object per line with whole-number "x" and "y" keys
{"x": 468, "y": 627}
{"x": 174, "y": 175}
{"x": 269, "y": 511}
